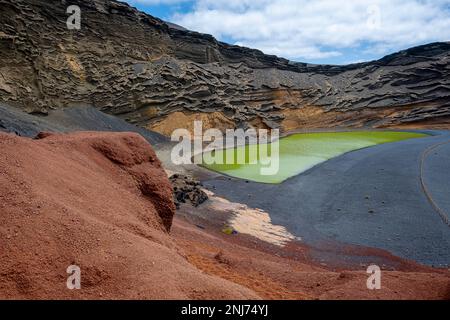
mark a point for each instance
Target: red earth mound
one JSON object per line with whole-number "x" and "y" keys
{"x": 100, "y": 201}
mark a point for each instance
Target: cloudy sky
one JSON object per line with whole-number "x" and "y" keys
{"x": 315, "y": 31}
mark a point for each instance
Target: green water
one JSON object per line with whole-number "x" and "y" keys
{"x": 300, "y": 152}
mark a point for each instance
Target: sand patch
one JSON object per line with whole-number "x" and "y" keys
{"x": 254, "y": 222}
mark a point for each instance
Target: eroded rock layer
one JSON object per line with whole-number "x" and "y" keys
{"x": 155, "y": 75}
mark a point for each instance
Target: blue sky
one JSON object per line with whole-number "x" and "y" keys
{"x": 318, "y": 31}
{"x": 163, "y": 10}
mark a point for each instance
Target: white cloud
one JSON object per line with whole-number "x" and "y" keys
{"x": 319, "y": 29}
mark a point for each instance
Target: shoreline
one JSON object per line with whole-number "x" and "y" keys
{"x": 235, "y": 190}
{"x": 290, "y": 273}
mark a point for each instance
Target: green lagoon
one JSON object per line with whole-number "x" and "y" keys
{"x": 300, "y": 152}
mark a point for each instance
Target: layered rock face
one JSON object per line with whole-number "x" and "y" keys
{"x": 162, "y": 77}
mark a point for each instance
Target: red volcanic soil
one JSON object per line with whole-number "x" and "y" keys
{"x": 288, "y": 273}
{"x": 100, "y": 201}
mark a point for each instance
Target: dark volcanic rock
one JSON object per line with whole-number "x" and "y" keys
{"x": 187, "y": 189}
{"x": 69, "y": 120}
{"x": 142, "y": 69}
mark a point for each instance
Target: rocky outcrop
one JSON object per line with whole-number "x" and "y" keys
{"x": 99, "y": 201}
{"x": 187, "y": 189}
{"x": 142, "y": 69}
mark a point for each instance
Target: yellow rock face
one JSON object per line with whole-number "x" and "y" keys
{"x": 177, "y": 120}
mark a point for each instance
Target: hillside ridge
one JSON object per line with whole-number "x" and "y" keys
{"x": 135, "y": 66}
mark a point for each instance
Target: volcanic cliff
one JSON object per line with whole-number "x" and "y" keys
{"x": 161, "y": 77}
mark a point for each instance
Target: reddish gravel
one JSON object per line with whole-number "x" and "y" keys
{"x": 287, "y": 273}
{"x": 100, "y": 201}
